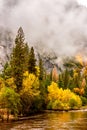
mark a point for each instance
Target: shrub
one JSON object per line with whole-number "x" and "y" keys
{"x": 57, "y": 105}
{"x": 84, "y": 101}
{"x": 73, "y": 103}
{"x": 59, "y": 99}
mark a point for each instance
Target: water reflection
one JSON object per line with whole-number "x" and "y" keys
{"x": 75, "y": 120}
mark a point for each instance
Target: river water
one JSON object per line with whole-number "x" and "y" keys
{"x": 74, "y": 120}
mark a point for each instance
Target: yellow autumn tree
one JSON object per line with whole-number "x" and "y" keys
{"x": 9, "y": 99}
{"x": 62, "y": 99}
{"x": 29, "y": 92}
{"x": 81, "y": 89}
{"x": 30, "y": 84}
{"x": 37, "y": 71}
{"x": 10, "y": 83}
{"x": 2, "y": 83}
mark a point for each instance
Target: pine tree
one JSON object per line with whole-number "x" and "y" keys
{"x": 6, "y": 73}
{"x": 61, "y": 81}
{"x": 41, "y": 68}
{"x": 18, "y": 59}
{"x": 26, "y": 52}
{"x": 66, "y": 79}
{"x": 32, "y": 62}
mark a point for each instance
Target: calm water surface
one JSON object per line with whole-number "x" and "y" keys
{"x": 74, "y": 120}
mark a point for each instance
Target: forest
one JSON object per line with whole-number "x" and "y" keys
{"x": 27, "y": 88}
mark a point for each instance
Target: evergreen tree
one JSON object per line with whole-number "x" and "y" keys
{"x": 18, "y": 59}
{"x": 32, "y": 62}
{"x": 26, "y": 52}
{"x": 66, "y": 79}
{"x": 7, "y": 72}
{"x": 41, "y": 68}
{"x": 61, "y": 81}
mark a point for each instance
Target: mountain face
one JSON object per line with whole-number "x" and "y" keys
{"x": 53, "y": 27}
{"x": 6, "y": 44}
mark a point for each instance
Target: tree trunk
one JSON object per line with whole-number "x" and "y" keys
{"x": 7, "y": 115}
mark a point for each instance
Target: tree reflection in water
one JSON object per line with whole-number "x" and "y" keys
{"x": 74, "y": 120}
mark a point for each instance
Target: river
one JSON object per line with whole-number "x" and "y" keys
{"x": 73, "y": 120}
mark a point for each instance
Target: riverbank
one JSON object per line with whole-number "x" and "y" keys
{"x": 51, "y": 120}
{"x": 84, "y": 107}
{"x": 21, "y": 118}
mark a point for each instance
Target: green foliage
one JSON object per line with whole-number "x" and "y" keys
{"x": 43, "y": 93}
{"x": 18, "y": 59}
{"x": 47, "y": 80}
{"x": 74, "y": 65}
{"x": 41, "y": 69}
{"x": 84, "y": 101}
{"x": 26, "y": 103}
{"x": 9, "y": 99}
{"x": 64, "y": 79}
{"x": 49, "y": 105}
{"x": 75, "y": 104}
{"x": 26, "y": 55}
{"x": 7, "y": 72}
{"x": 85, "y": 90}
{"x": 61, "y": 81}
{"x": 37, "y": 104}
{"x": 57, "y": 105}
{"x": 32, "y": 61}
{"x": 43, "y": 89}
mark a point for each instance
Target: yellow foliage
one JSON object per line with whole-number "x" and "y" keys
{"x": 26, "y": 74}
{"x": 60, "y": 99}
{"x": 53, "y": 91}
{"x": 79, "y": 58}
{"x": 75, "y": 73}
{"x": 30, "y": 84}
{"x": 66, "y": 95}
{"x": 10, "y": 82}
{"x": 37, "y": 70}
{"x": 2, "y": 87}
{"x": 79, "y": 91}
{"x": 2, "y": 84}
{"x": 53, "y": 87}
{"x": 76, "y": 90}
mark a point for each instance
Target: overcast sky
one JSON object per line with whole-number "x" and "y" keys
{"x": 83, "y": 2}
{"x": 60, "y": 25}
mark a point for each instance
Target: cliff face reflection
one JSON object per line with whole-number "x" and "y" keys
{"x": 75, "y": 120}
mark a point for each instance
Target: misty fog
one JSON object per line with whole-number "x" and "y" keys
{"x": 59, "y": 26}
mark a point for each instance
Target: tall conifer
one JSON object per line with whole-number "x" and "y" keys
{"x": 32, "y": 61}
{"x": 18, "y": 59}
{"x": 41, "y": 68}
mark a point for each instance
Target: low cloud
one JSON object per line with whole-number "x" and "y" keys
{"x": 57, "y": 25}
